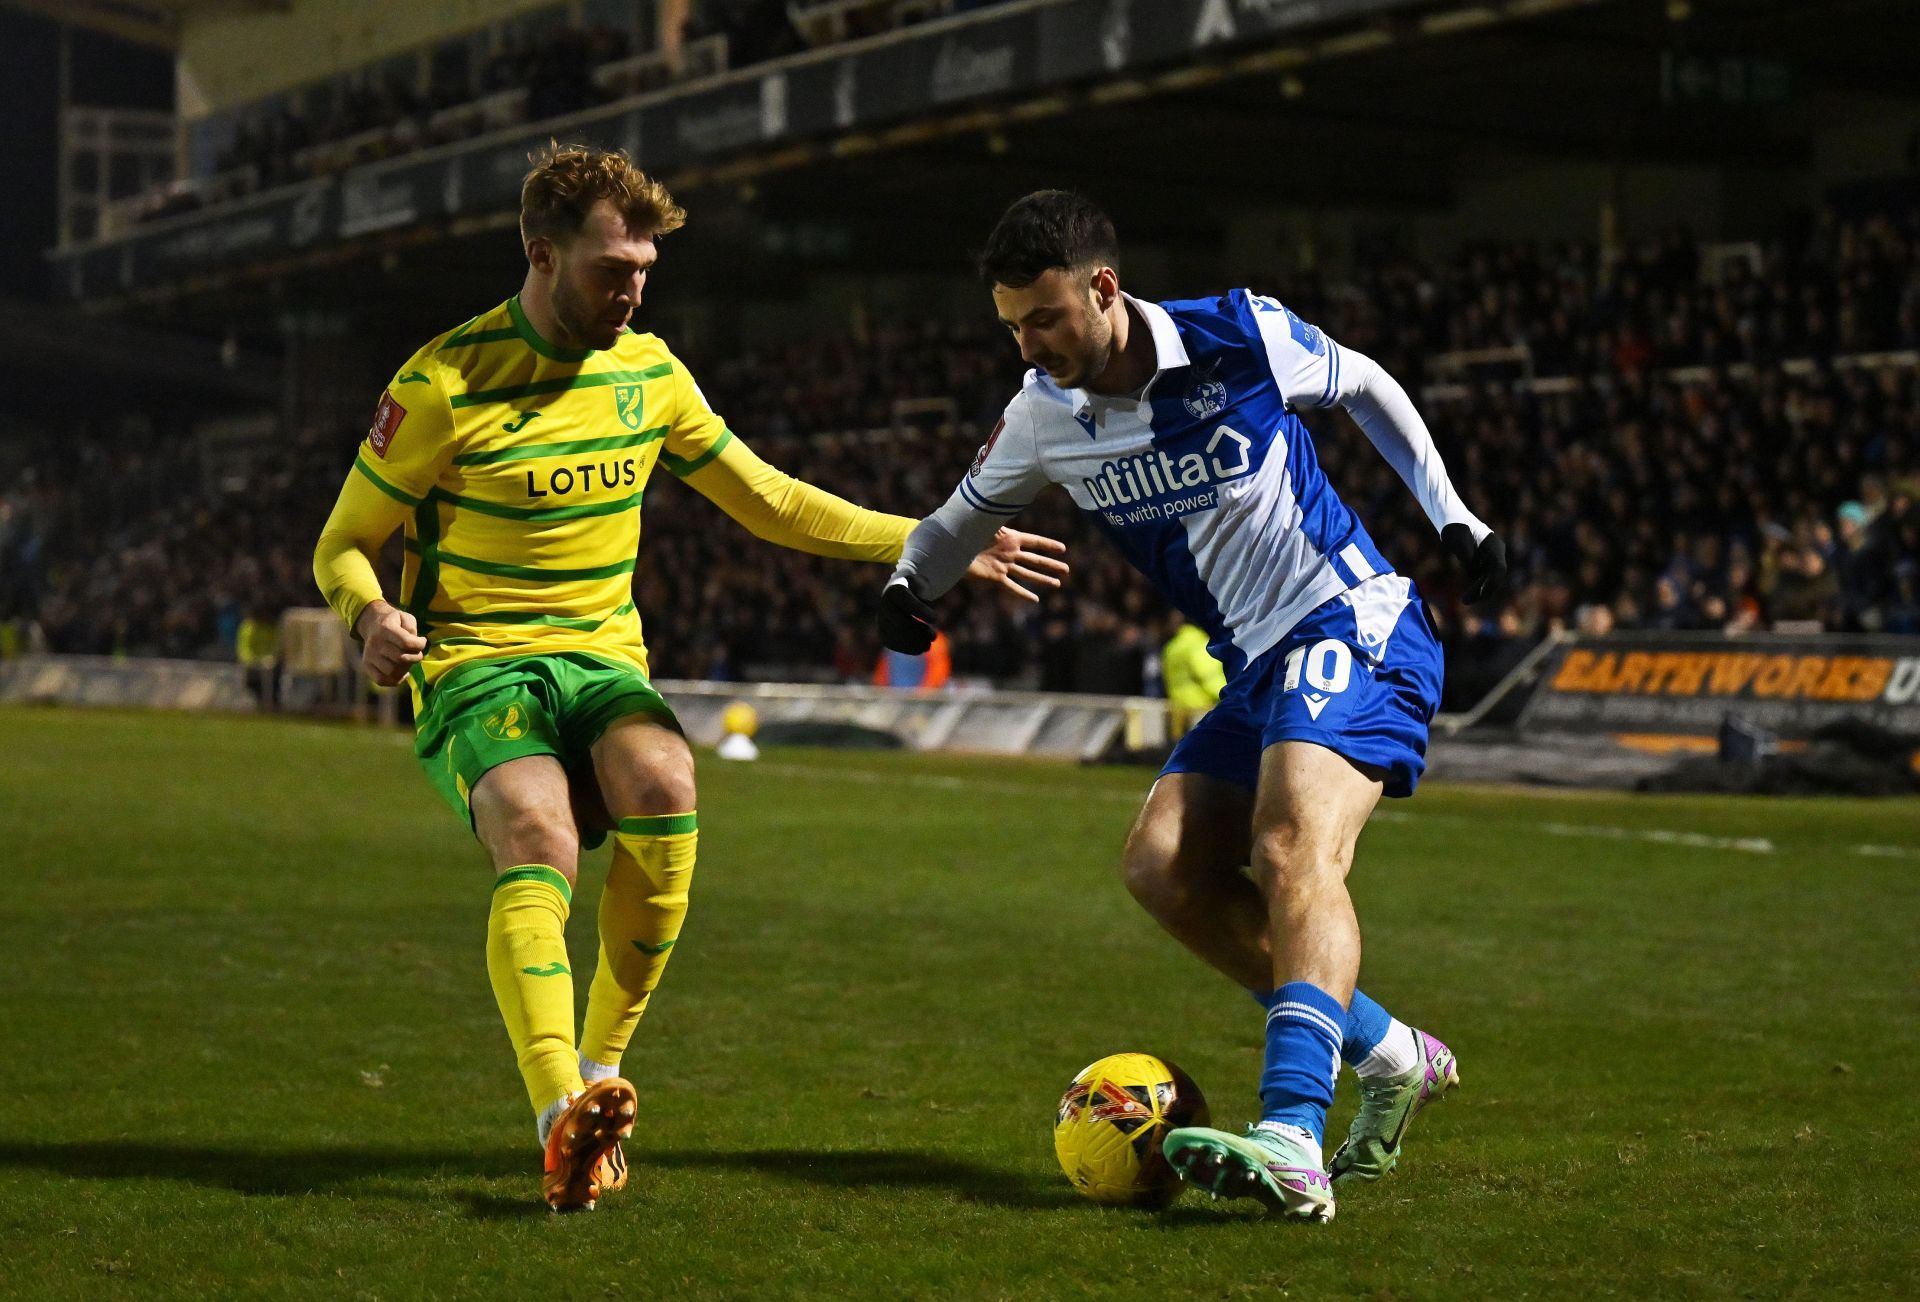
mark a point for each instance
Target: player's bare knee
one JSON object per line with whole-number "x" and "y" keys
{"x": 1162, "y": 872}
{"x": 646, "y": 770}
{"x": 674, "y": 789}
{"x": 1290, "y": 856}
{"x": 663, "y": 787}
{"x": 1146, "y": 865}
{"x": 538, "y": 836}
{"x": 1275, "y": 847}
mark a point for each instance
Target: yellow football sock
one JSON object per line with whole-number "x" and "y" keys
{"x": 527, "y": 961}
{"x": 641, "y": 910}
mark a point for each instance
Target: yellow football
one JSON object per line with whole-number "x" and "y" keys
{"x": 1111, "y": 1121}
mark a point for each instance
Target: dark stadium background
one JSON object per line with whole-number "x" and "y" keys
{"x": 1712, "y": 503}
{"x": 249, "y": 1050}
{"x": 104, "y": 71}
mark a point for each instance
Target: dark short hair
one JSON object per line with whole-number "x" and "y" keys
{"x": 1048, "y": 229}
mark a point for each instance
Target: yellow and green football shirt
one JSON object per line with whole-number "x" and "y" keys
{"x": 517, "y": 470}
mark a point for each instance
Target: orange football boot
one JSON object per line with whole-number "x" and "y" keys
{"x": 581, "y": 1142}
{"x": 611, "y": 1173}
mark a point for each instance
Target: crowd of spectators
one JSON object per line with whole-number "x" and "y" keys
{"x": 1836, "y": 286}
{"x": 1727, "y": 494}
{"x": 387, "y": 114}
{"x": 1720, "y": 501}
{"x": 124, "y": 540}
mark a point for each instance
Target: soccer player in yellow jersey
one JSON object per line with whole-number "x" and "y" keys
{"x": 514, "y": 452}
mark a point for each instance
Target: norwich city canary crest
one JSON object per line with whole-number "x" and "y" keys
{"x": 509, "y": 724}
{"x": 626, "y": 400}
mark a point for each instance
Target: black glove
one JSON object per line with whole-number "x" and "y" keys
{"x": 906, "y": 622}
{"x": 1485, "y": 564}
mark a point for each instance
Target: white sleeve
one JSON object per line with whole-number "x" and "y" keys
{"x": 1305, "y": 361}
{"x": 1382, "y": 410}
{"x": 1002, "y": 482}
{"x": 1314, "y": 371}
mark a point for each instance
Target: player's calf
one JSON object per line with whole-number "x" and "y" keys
{"x": 1183, "y": 864}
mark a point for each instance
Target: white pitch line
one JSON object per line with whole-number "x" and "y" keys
{"x": 1650, "y": 835}
{"x": 1661, "y": 836}
{"x": 1887, "y": 851}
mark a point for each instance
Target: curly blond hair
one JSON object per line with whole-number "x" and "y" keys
{"x": 568, "y": 180}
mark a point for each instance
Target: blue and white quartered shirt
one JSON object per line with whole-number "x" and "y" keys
{"x": 1206, "y": 480}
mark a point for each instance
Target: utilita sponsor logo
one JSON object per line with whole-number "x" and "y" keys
{"x": 1157, "y": 486}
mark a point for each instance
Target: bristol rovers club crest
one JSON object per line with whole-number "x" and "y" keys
{"x": 1207, "y": 397}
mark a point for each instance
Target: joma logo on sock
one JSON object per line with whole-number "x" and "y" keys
{"x": 547, "y": 969}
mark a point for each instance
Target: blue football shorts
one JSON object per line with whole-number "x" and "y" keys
{"x": 1359, "y": 675}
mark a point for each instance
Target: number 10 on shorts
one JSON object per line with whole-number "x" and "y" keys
{"x": 1327, "y": 667}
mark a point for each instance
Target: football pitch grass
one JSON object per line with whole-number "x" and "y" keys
{"x": 249, "y": 1047}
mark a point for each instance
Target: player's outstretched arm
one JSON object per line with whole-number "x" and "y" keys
{"x": 774, "y": 506}
{"x": 777, "y": 508}
{"x": 969, "y": 535}
{"x": 954, "y": 542}
{"x": 938, "y": 554}
{"x": 362, "y": 520}
{"x": 1012, "y": 559}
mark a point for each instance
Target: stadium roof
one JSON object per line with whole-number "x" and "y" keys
{"x": 145, "y": 22}
{"x": 1388, "y": 117}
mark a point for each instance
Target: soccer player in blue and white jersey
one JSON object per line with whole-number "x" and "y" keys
{"x": 1174, "y": 426}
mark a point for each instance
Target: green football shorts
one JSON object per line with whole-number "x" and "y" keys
{"x": 490, "y": 711}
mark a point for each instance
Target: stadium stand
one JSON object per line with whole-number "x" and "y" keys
{"x": 1750, "y": 434}
{"x": 537, "y": 67}
{"x": 1837, "y": 285}
{"x": 449, "y": 94}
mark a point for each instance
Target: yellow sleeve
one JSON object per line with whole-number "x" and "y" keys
{"x": 363, "y": 519}
{"x": 771, "y": 504}
{"x": 775, "y": 506}
{"x": 396, "y": 466}
{"x": 695, "y": 432}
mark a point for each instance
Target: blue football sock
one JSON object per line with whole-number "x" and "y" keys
{"x": 1304, "y": 1031}
{"x": 1367, "y": 1025}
